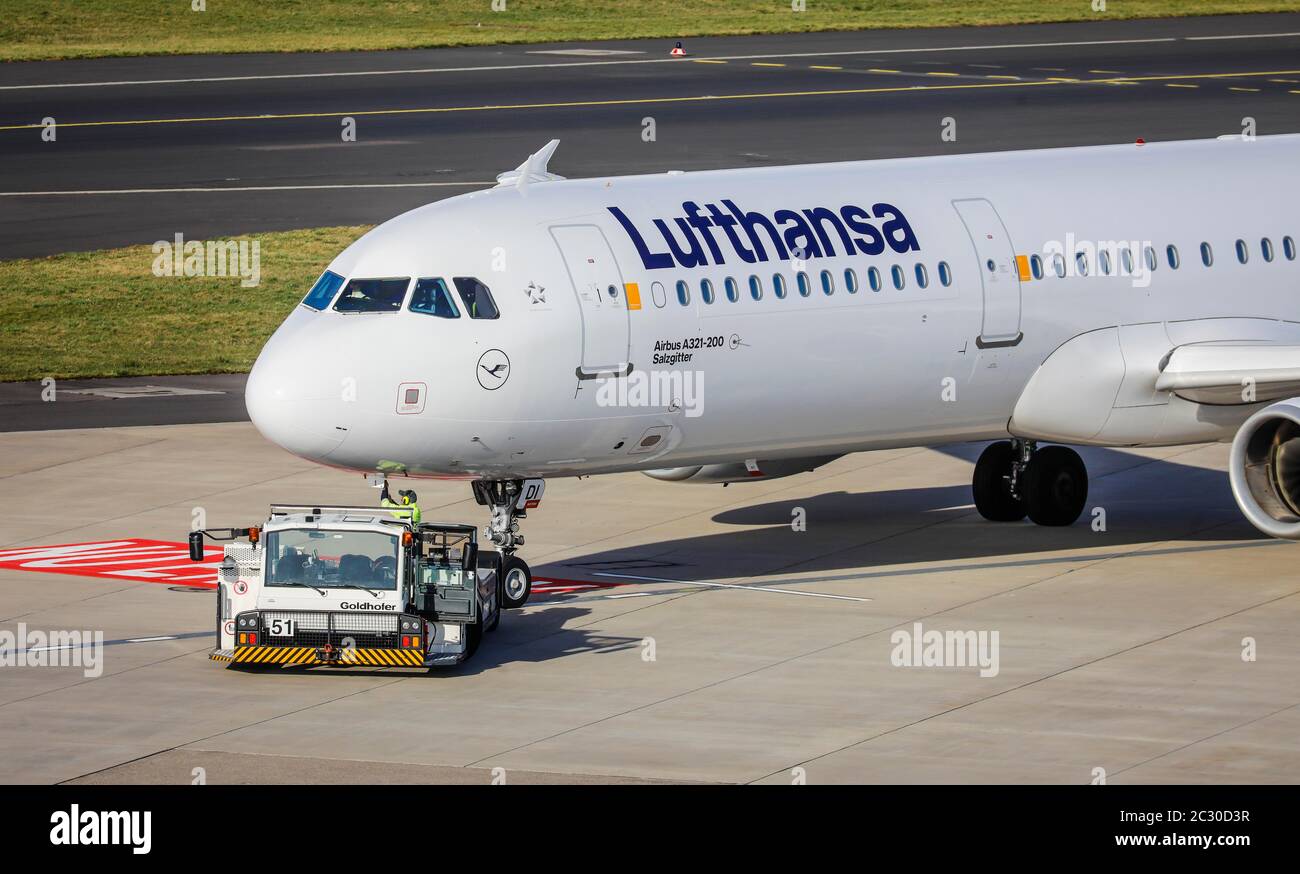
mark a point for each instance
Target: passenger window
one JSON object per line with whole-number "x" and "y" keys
{"x": 778, "y": 285}
{"x": 1150, "y": 254}
{"x": 945, "y": 274}
{"x": 683, "y": 293}
{"x": 1207, "y": 255}
{"x": 755, "y": 287}
{"x": 873, "y": 278}
{"x": 805, "y": 284}
{"x": 323, "y": 291}
{"x": 1081, "y": 263}
{"x": 1036, "y": 266}
{"x": 922, "y": 277}
{"x": 1171, "y": 252}
{"x": 851, "y": 281}
{"x": 372, "y": 296}
{"x": 1058, "y": 265}
{"x": 706, "y": 290}
{"x": 1103, "y": 261}
{"x": 733, "y": 290}
{"x": 1266, "y": 248}
{"x": 1126, "y": 260}
{"x": 433, "y": 298}
{"x": 896, "y": 273}
{"x": 828, "y": 282}
{"x": 1243, "y": 253}
{"x": 476, "y": 297}
{"x": 1288, "y": 248}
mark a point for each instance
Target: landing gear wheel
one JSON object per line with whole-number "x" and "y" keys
{"x": 991, "y": 484}
{"x": 1054, "y": 485}
{"x": 516, "y": 583}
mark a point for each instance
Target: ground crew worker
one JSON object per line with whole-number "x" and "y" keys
{"x": 406, "y": 500}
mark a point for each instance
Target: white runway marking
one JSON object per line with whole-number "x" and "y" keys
{"x": 245, "y": 188}
{"x": 733, "y": 586}
{"x": 1241, "y": 36}
{"x": 500, "y": 67}
{"x": 587, "y": 53}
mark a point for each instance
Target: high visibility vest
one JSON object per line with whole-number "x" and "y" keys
{"x": 401, "y": 511}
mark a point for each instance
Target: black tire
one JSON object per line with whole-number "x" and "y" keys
{"x": 1055, "y": 486}
{"x": 473, "y": 637}
{"x": 992, "y": 488}
{"x": 515, "y": 583}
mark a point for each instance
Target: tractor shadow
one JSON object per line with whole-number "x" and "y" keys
{"x": 522, "y": 636}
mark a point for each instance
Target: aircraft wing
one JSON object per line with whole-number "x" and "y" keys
{"x": 1232, "y": 372}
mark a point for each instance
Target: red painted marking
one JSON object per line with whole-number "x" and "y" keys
{"x": 131, "y": 558}
{"x": 559, "y": 586}
{"x": 158, "y": 561}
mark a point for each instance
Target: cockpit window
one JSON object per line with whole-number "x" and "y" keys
{"x": 477, "y": 298}
{"x": 323, "y": 291}
{"x": 434, "y": 298}
{"x": 372, "y": 296}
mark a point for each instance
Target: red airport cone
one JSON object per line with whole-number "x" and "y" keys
{"x": 678, "y": 51}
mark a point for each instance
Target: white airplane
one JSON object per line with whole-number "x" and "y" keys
{"x": 721, "y": 326}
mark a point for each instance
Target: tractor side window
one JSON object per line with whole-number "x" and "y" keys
{"x": 433, "y": 298}
{"x": 323, "y": 291}
{"x": 478, "y": 300}
{"x": 372, "y": 296}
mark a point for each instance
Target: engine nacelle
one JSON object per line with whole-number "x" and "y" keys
{"x": 1265, "y": 469}
{"x": 739, "y": 471}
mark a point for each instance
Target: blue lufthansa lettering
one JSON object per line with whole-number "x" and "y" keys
{"x": 689, "y": 240}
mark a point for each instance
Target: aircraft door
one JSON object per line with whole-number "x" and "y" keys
{"x": 999, "y": 272}
{"x": 598, "y": 285}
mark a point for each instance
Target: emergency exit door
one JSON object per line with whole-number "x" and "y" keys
{"x": 598, "y": 285}
{"x": 998, "y": 270}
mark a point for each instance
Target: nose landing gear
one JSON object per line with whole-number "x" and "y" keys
{"x": 1014, "y": 479}
{"x": 509, "y": 501}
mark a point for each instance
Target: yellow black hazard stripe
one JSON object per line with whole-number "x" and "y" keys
{"x": 275, "y": 655}
{"x": 394, "y": 658}
{"x": 221, "y": 655}
{"x": 306, "y": 655}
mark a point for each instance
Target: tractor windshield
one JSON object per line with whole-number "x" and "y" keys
{"x": 325, "y": 558}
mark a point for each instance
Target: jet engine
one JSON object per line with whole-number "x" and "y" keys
{"x": 1265, "y": 469}
{"x": 739, "y": 471}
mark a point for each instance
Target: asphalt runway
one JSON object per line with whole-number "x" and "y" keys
{"x": 735, "y": 649}
{"x": 122, "y": 402}
{"x": 211, "y": 146}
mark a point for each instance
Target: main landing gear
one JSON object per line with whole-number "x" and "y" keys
{"x": 1014, "y": 479}
{"x": 509, "y": 501}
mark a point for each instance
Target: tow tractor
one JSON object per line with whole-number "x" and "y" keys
{"x": 341, "y": 586}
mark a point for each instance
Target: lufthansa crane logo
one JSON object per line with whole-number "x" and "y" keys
{"x": 493, "y": 369}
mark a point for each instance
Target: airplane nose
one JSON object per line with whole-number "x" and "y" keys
{"x": 295, "y": 399}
